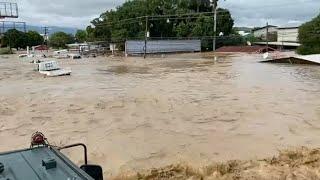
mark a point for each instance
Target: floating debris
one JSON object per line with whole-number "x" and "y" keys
{"x": 52, "y": 69}
{"x": 308, "y": 59}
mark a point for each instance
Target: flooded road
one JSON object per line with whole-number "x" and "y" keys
{"x": 135, "y": 114}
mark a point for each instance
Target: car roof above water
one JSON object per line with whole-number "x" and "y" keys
{"x": 42, "y": 163}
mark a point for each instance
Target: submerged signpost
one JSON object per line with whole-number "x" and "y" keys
{"x": 8, "y": 10}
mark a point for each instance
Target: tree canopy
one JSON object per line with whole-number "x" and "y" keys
{"x": 309, "y": 35}
{"x": 81, "y": 36}
{"x": 34, "y": 38}
{"x": 18, "y": 39}
{"x": 60, "y": 40}
{"x": 114, "y": 25}
{"x": 15, "y": 39}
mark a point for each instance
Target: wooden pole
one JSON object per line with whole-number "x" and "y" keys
{"x": 215, "y": 5}
{"x": 145, "y": 38}
{"x": 267, "y": 37}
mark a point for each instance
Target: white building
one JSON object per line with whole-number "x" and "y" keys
{"x": 45, "y": 37}
{"x": 288, "y": 34}
{"x": 243, "y": 33}
{"x": 262, "y": 32}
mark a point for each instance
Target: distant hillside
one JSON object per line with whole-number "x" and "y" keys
{"x": 245, "y": 29}
{"x": 52, "y": 29}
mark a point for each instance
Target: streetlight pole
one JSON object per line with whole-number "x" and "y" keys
{"x": 214, "y": 9}
{"x": 267, "y": 36}
{"x": 145, "y": 38}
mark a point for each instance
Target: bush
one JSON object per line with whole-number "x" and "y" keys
{"x": 252, "y": 39}
{"x": 309, "y": 35}
{"x": 305, "y": 50}
{"x": 232, "y": 40}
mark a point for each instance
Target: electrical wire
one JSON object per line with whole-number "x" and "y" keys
{"x": 163, "y": 17}
{"x": 121, "y": 40}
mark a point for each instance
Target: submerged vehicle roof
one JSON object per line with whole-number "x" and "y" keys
{"x": 38, "y": 164}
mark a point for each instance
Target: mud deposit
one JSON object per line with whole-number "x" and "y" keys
{"x": 137, "y": 114}
{"x": 302, "y": 163}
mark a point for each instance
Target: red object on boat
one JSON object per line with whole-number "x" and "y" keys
{"x": 38, "y": 139}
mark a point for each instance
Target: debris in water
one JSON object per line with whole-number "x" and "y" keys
{"x": 52, "y": 69}
{"x": 308, "y": 59}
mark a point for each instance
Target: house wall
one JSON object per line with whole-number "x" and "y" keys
{"x": 288, "y": 35}
{"x": 261, "y": 33}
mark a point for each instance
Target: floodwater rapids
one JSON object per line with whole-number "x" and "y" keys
{"x": 137, "y": 114}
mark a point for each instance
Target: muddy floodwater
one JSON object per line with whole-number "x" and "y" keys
{"x": 136, "y": 114}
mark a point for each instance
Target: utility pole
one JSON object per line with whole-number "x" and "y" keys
{"x": 46, "y": 34}
{"x": 145, "y": 38}
{"x": 267, "y": 36}
{"x": 214, "y": 9}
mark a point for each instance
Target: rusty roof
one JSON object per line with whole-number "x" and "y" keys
{"x": 245, "y": 49}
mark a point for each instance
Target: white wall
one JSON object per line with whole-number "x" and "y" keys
{"x": 262, "y": 32}
{"x": 288, "y": 35}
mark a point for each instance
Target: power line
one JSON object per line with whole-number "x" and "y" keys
{"x": 172, "y": 16}
{"x": 177, "y": 37}
{"x": 158, "y": 19}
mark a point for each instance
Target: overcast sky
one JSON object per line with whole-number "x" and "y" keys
{"x": 79, "y": 13}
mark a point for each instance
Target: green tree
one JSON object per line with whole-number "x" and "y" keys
{"x": 203, "y": 27}
{"x": 225, "y": 21}
{"x": 60, "y": 40}
{"x": 90, "y": 33}
{"x": 15, "y": 39}
{"x": 309, "y": 35}
{"x": 114, "y": 25}
{"x": 200, "y": 5}
{"x": 183, "y": 29}
{"x": 81, "y": 36}
{"x": 34, "y": 38}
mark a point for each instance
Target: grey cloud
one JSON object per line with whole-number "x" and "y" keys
{"x": 79, "y": 13}
{"x": 282, "y": 13}
{"x": 71, "y": 13}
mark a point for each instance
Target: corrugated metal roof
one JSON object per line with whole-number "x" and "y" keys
{"x": 162, "y": 46}
{"x": 292, "y": 27}
{"x": 258, "y": 28}
{"x": 313, "y": 58}
{"x": 307, "y": 59}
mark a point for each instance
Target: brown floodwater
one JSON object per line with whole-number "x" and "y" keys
{"x": 137, "y": 114}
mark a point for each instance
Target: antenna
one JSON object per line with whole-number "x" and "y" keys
{"x": 45, "y": 34}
